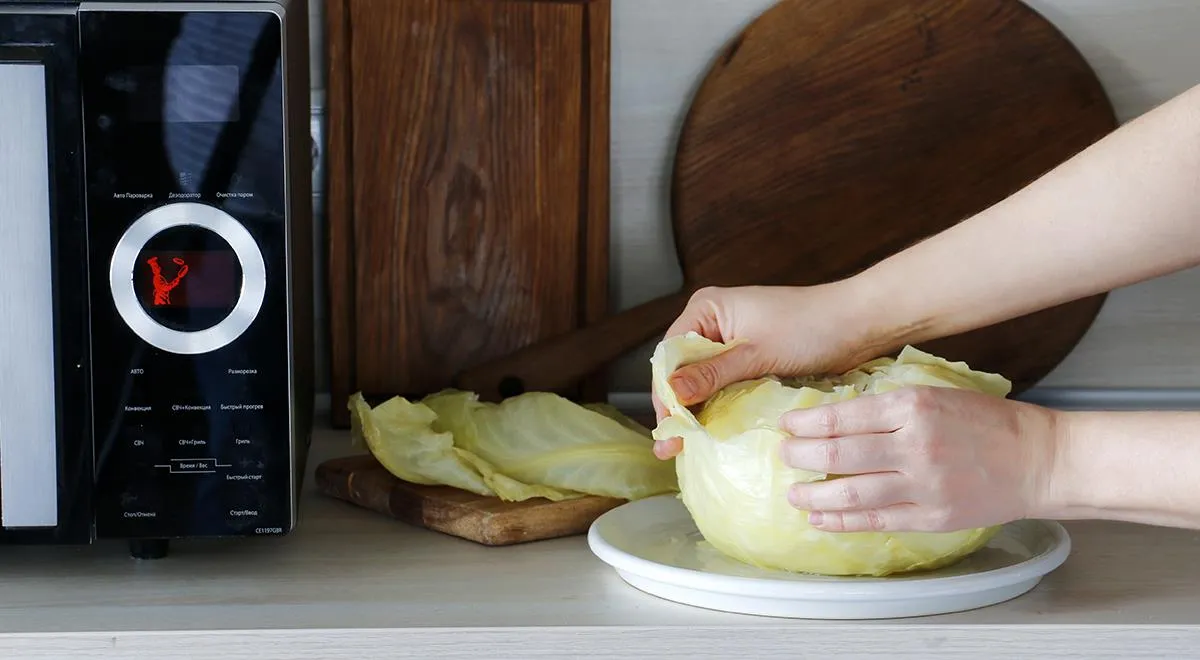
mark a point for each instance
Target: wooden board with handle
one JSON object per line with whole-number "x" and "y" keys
{"x": 829, "y": 135}
{"x": 361, "y": 480}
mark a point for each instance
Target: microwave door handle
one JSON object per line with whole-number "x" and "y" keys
{"x": 28, "y": 420}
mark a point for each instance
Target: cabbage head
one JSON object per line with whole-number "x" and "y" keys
{"x": 734, "y": 483}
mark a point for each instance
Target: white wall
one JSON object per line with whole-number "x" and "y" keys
{"x": 1144, "y": 51}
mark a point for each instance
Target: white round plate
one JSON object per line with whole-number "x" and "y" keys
{"x": 655, "y": 547}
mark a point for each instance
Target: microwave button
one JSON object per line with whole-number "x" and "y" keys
{"x": 240, "y": 380}
{"x": 243, "y": 506}
{"x": 137, "y": 407}
{"x": 146, "y": 444}
{"x": 246, "y": 431}
{"x": 243, "y": 441}
{"x": 192, "y": 465}
{"x": 142, "y": 502}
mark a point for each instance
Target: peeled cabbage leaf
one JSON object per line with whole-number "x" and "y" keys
{"x": 734, "y": 483}
{"x": 534, "y": 445}
{"x": 407, "y": 440}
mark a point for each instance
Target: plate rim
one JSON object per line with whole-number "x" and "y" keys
{"x": 869, "y": 588}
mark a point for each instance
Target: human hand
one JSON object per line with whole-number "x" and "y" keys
{"x": 928, "y": 459}
{"x": 787, "y": 331}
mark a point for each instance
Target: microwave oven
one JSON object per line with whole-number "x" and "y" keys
{"x": 155, "y": 270}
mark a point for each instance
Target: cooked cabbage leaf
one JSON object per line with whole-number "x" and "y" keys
{"x": 537, "y": 444}
{"x": 734, "y": 483}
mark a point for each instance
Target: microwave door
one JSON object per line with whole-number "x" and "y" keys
{"x": 45, "y": 428}
{"x": 28, "y": 419}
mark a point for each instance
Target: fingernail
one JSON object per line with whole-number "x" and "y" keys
{"x": 787, "y": 450}
{"x": 785, "y": 421}
{"x": 815, "y": 517}
{"x": 785, "y": 455}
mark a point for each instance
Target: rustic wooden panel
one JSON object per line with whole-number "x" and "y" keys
{"x": 339, "y": 205}
{"x": 469, "y": 184}
{"x": 597, "y": 104}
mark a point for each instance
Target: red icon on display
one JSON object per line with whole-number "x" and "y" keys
{"x": 163, "y": 286}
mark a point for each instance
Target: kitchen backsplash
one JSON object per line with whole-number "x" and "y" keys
{"x": 1144, "y": 51}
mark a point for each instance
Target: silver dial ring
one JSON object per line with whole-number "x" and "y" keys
{"x": 124, "y": 260}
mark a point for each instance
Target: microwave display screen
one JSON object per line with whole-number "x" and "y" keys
{"x": 189, "y": 93}
{"x": 187, "y": 279}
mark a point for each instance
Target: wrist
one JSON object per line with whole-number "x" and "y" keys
{"x": 1067, "y": 483}
{"x": 880, "y": 314}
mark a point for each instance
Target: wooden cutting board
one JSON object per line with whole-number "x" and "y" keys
{"x": 830, "y": 134}
{"x": 361, "y": 480}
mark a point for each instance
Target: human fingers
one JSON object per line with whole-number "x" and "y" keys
{"x": 660, "y": 411}
{"x": 874, "y": 413}
{"x": 694, "y": 383}
{"x": 700, "y": 315}
{"x": 853, "y": 454}
{"x": 867, "y": 491}
{"x": 669, "y": 448}
{"x": 894, "y": 518}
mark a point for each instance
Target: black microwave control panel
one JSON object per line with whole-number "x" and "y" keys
{"x": 186, "y": 189}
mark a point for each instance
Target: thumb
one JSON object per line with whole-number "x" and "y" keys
{"x": 696, "y": 382}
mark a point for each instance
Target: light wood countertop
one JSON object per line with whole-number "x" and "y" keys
{"x": 351, "y": 583}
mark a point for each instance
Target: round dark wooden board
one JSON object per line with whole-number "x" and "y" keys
{"x": 830, "y": 134}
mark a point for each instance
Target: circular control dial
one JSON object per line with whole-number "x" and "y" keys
{"x": 187, "y": 278}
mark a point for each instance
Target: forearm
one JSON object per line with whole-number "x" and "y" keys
{"x": 1124, "y": 210}
{"x": 1140, "y": 467}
